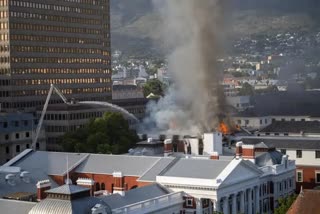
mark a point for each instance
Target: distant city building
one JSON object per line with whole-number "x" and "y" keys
{"x": 16, "y": 132}
{"x": 66, "y": 43}
{"x": 120, "y": 92}
{"x": 62, "y": 118}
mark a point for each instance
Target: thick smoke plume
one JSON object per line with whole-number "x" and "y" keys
{"x": 195, "y": 102}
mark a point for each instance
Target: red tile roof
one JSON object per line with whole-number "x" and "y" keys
{"x": 307, "y": 203}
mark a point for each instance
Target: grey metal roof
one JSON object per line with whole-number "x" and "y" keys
{"x": 197, "y": 168}
{"x": 77, "y": 206}
{"x": 134, "y": 196}
{"x": 268, "y": 158}
{"x": 107, "y": 164}
{"x": 158, "y": 167}
{"x": 67, "y": 189}
{"x": 52, "y": 163}
{"x": 293, "y": 127}
{"x": 285, "y": 142}
{"x": 40, "y": 164}
{"x": 15, "y": 207}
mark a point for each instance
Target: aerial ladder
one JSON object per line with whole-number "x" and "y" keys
{"x": 44, "y": 110}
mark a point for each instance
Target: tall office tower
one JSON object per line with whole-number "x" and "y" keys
{"x": 61, "y": 42}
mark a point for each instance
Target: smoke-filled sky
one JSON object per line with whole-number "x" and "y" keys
{"x": 194, "y": 30}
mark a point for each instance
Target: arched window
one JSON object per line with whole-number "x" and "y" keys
{"x": 103, "y": 186}
{"x": 97, "y": 186}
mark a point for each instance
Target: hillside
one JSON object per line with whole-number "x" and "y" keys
{"x": 135, "y": 24}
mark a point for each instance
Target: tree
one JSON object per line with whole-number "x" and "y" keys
{"x": 246, "y": 90}
{"x": 154, "y": 86}
{"x": 109, "y": 134}
{"x": 284, "y": 204}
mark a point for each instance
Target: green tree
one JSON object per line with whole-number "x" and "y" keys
{"x": 246, "y": 89}
{"x": 109, "y": 134}
{"x": 284, "y": 204}
{"x": 154, "y": 86}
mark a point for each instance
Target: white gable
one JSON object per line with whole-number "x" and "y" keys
{"x": 241, "y": 172}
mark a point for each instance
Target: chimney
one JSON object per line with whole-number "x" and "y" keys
{"x": 248, "y": 153}
{"x": 214, "y": 156}
{"x": 239, "y": 150}
{"x": 87, "y": 183}
{"x": 118, "y": 184}
{"x": 168, "y": 147}
{"x": 212, "y": 142}
{"x": 42, "y": 187}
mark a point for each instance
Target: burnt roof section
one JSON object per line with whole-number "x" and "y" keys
{"x": 293, "y": 127}
{"x": 284, "y": 104}
{"x": 285, "y": 142}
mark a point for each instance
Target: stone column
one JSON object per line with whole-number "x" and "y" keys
{"x": 217, "y": 205}
{"x": 257, "y": 200}
{"x": 211, "y": 206}
{"x": 199, "y": 206}
{"x": 234, "y": 204}
{"x": 250, "y": 201}
{"x": 242, "y": 194}
{"x": 226, "y": 205}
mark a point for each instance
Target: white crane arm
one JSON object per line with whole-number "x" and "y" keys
{"x": 44, "y": 110}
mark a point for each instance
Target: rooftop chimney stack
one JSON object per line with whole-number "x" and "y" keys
{"x": 239, "y": 150}
{"x": 42, "y": 187}
{"x": 212, "y": 142}
{"x": 87, "y": 183}
{"x": 248, "y": 152}
{"x": 118, "y": 184}
{"x": 214, "y": 156}
{"x": 168, "y": 148}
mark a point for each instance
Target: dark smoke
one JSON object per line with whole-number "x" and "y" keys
{"x": 194, "y": 29}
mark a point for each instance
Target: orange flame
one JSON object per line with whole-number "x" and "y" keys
{"x": 223, "y": 128}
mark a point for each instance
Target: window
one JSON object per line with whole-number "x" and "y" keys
{"x": 27, "y": 146}
{"x": 5, "y": 124}
{"x": 247, "y": 122}
{"x": 283, "y": 151}
{"x": 299, "y": 153}
{"x": 189, "y": 202}
{"x": 6, "y": 137}
{"x": 27, "y": 134}
{"x": 103, "y": 186}
{"x": 317, "y": 177}
{"x": 7, "y": 150}
{"x": 299, "y": 176}
{"x": 17, "y": 148}
{"x": 318, "y": 154}
{"x": 97, "y": 186}
{"x": 37, "y": 146}
{"x": 17, "y": 135}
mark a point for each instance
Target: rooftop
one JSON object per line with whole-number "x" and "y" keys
{"x": 128, "y": 165}
{"x": 133, "y": 196}
{"x": 16, "y": 207}
{"x": 307, "y": 203}
{"x": 68, "y": 189}
{"x": 197, "y": 168}
{"x": 293, "y": 127}
{"x": 285, "y": 142}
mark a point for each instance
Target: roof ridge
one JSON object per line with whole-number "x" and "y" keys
{"x": 150, "y": 168}
{"x": 171, "y": 164}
